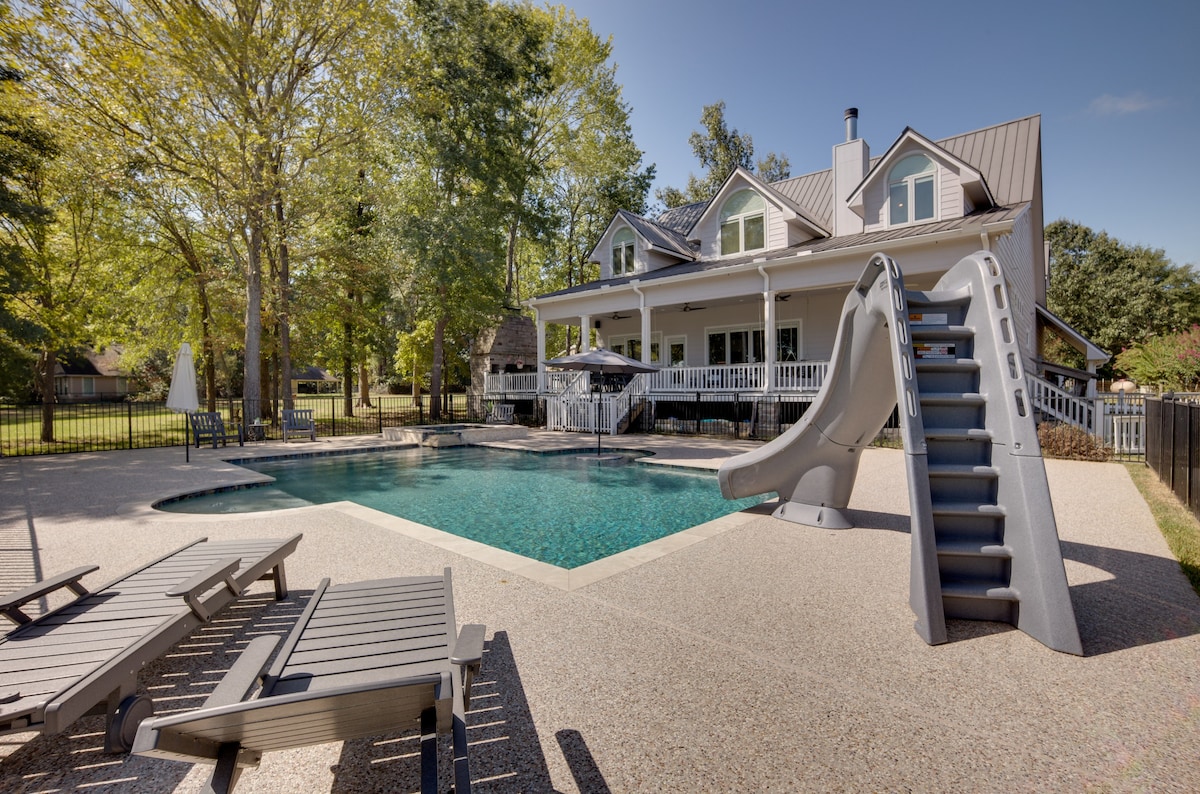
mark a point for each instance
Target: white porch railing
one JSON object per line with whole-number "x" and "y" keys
{"x": 1117, "y": 420}
{"x": 800, "y": 375}
{"x": 1062, "y": 405}
{"x": 511, "y": 382}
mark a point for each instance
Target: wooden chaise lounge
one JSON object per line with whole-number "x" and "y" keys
{"x": 84, "y": 656}
{"x": 364, "y": 659}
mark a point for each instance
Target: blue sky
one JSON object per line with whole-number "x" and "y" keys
{"x": 1117, "y": 86}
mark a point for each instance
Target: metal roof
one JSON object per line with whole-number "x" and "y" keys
{"x": 972, "y": 223}
{"x": 659, "y": 236}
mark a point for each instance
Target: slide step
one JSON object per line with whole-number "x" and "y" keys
{"x": 981, "y": 590}
{"x": 963, "y": 470}
{"x": 952, "y": 398}
{"x": 957, "y": 434}
{"x": 968, "y": 509}
{"x": 968, "y": 548}
{"x": 946, "y": 365}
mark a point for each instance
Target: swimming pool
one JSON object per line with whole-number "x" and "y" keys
{"x": 559, "y": 509}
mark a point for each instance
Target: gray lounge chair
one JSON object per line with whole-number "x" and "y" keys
{"x": 299, "y": 422}
{"x": 365, "y": 658}
{"x": 84, "y": 657}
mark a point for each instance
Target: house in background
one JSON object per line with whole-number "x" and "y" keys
{"x": 91, "y": 376}
{"x": 741, "y": 295}
{"x": 314, "y": 380}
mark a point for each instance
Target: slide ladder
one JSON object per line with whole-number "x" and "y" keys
{"x": 984, "y": 541}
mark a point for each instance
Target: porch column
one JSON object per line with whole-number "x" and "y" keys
{"x": 646, "y": 334}
{"x": 585, "y": 333}
{"x": 769, "y": 341}
{"x": 541, "y": 356}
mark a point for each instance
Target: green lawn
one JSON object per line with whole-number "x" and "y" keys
{"x": 89, "y": 427}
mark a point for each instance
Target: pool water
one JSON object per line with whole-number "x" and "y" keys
{"x": 558, "y": 509}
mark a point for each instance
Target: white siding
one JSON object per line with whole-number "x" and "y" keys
{"x": 1015, "y": 253}
{"x": 951, "y": 194}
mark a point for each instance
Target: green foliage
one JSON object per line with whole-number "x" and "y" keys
{"x": 720, "y": 150}
{"x": 26, "y": 146}
{"x": 1169, "y": 363}
{"x": 1060, "y": 440}
{"x": 1115, "y": 294}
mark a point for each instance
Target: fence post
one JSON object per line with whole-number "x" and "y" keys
{"x": 129, "y": 419}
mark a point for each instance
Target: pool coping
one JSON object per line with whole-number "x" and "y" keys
{"x": 566, "y": 579}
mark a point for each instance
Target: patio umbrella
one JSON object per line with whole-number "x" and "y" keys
{"x": 602, "y": 361}
{"x": 182, "y": 398}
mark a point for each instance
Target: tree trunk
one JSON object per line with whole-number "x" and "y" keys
{"x": 46, "y": 363}
{"x": 285, "y": 294}
{"x": 511, "y": 261}
{"x": 435, "y": 377}
{"x": 348, "y": 369}
{"x": 364, "y": 385}
{"x": 252, "y": 384}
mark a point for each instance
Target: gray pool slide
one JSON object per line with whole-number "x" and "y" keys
{"x": 984, "y": 542}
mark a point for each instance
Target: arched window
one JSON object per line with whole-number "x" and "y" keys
{"x": 910, "y": 190}
{"x": 743, "y": 223}
{"x": 622, "y": 252}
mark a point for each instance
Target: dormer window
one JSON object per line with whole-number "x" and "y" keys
{"x": 623, "y": 252}
{"x": 911, "y": 191}
{"x": 743, "y": 223}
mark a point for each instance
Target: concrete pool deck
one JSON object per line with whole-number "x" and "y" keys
{"x": 765, "y": 657}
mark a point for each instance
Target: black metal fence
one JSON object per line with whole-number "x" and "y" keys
{"x": 727, "y": 415}
{"x": 97, "y": 427}
{"x": 1173, "y": 447}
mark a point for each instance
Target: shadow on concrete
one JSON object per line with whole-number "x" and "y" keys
{"x": 1136, "y": 599}
{"x": 505, "y": 753}
{"x": 178, "y": 681}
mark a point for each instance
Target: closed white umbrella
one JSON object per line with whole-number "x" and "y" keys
{"x": 182, "y": 396}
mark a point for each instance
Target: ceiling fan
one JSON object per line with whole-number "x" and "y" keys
{"x": 687, "y": 307}
{"x": 782, "y": 297}
{"x": 619, "y": 316}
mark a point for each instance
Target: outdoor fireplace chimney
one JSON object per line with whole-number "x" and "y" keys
{"x": 851, "y": 159}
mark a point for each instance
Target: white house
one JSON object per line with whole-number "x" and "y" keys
{"x": 742, "y": 293}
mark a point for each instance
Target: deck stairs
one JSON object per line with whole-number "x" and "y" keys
{"x": 985, "y": 544}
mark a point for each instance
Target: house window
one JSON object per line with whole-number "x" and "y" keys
{"x": 622, "y": 252}
{"x": 910, "y": 190}
{"x": 632, "y": 346}
{"x": 677, "y": 351}
{"x": 745, "y": 345}
{"x": 743, "y": 223}
{"x": 89, "y": 386}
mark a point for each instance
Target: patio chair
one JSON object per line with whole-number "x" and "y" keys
{"x": 209, "y": 426}
{"x": 83, "y": 657}
{"x": 299, "y": 421}
{"x": 364, "y": 659}
{"x": 500, "y": 414}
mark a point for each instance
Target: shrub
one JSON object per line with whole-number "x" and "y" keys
{"x": 1060, "y": 440}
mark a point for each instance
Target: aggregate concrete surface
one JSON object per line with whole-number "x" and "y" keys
{"x": 768, "y": 657}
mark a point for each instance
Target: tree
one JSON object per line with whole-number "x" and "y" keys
{"x": 231, "y": 97}
{"x": 462, "y": 119}
{"x": 721, "y": 150}
{"x": 26, "y": 147}
{"x": 1115, "y": 294}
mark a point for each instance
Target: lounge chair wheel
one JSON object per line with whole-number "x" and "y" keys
{"x": 126, "y": 720}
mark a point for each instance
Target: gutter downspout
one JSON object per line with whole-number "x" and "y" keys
{"x": 645, "y": 314}
{"x": 541, "y": 350}
{"x": 769, "y": 340}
